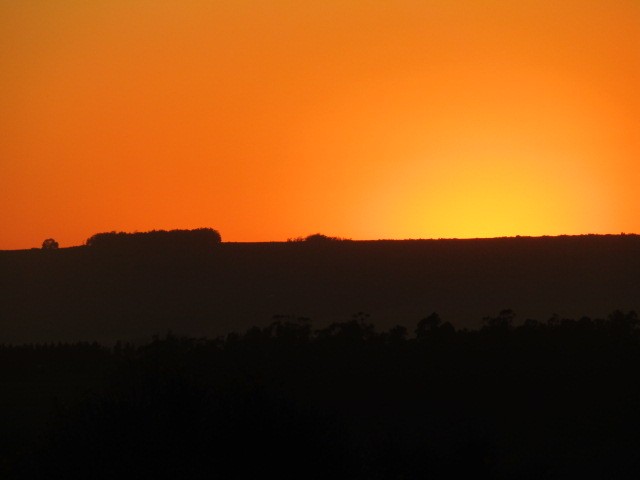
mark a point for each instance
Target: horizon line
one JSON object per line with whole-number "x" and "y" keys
{"x": 410, "y": 239}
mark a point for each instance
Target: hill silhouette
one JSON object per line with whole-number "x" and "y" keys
{"x": 509, "y": 379}
{"x": 107, "y": 294}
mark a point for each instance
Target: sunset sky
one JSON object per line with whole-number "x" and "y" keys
{"x": 365, "y": 119}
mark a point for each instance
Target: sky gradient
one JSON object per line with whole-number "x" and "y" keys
{"x": 365, "y": 119}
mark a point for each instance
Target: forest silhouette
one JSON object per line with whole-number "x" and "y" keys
{"x": 552, "y": 399}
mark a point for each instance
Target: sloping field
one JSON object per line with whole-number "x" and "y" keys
{"x": 85, "y": 294}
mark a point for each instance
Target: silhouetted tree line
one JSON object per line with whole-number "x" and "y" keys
{"x": 198, "y": 239}
{"x": 317, "y": 238}
{"x": 554, "y": 399}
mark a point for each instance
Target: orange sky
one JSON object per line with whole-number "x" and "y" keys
{"x": 269, "y": 119}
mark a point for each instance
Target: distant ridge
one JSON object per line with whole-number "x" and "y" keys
{"x": 213, "y": 236}
{"x": 84, "y": 294}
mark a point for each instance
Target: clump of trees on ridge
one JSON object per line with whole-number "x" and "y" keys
{"x": 317, "y": 238}
{"x": 156, "y": 239}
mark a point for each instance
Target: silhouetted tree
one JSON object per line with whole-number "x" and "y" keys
{"x": 504, "y": 320}
{"x": 428, "y": 325}
{"x": 49, "y": 244}
{"x": 320, "y": 238}
{"x": 358, "y": 329}
{"x": 396, "y": 335}
{"x": 623, "y": 323}
{"x": 291, "y": 329}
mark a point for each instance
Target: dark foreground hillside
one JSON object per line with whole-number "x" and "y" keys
{"x": 550, "y": 400}
{"x": 89, "y": 294}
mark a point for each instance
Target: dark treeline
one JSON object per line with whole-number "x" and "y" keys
{"x": 554, "y": 399}
{"x": 201, "y": 238}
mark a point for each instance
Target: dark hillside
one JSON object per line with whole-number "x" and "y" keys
{"x": 91, "y": 294}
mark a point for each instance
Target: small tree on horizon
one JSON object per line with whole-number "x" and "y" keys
{"x": 50, "y": 244}
{"x": 320, "y": 238}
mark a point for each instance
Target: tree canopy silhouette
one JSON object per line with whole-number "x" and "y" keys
{"x": 49, "y": 244}
{"x": 200, "y": 238}
{"x": 320, "y": 238}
